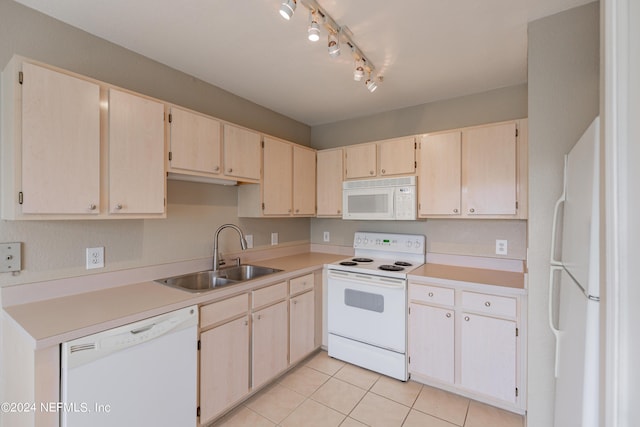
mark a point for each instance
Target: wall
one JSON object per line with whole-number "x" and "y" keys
{"x": 56, "y": 249}
{"x": 563, "y": 100}
{"x": 449, "y": 236}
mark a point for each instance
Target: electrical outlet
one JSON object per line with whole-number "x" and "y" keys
{"x": 501, "y": 247}
{"x": 10, "y": 257}
{"x": 274, "y": 238}
{"x": 249, "y": 239}
{"x": 326, "y": 236}
{"x": 95, "y": 258}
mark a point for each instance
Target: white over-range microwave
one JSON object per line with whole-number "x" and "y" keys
{"x": 380, "y": 199}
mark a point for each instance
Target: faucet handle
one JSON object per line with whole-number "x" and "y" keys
{"x": 237, "y": 260}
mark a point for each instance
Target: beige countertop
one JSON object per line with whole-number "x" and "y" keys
{"x": 52, "y": 321}
{"x": 507, "y": 279}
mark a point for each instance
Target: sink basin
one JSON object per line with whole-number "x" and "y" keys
{"x": 209, "y": 280}
{"x": 245, "y": 272}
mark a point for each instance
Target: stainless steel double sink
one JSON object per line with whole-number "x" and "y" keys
{"x": 213, "y": 279}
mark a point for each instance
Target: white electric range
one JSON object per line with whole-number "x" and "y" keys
{"x": 367, "y": 301}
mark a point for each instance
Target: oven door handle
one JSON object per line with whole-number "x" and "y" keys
{"x": 382, "y": 282}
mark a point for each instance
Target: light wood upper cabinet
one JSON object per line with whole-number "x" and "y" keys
{"x": 194, "y": 143}
{"x": 277, "y": 179}
{"x": 360, "y": 161}
{"x": 55, "y": 130}
{"x": 439, "y": 175}
{"x": 329, "y": 188}
{"x": 397, "y": 157}
{"x": 136, "y": 154}
{"x": 489, "y": 180}
{"x": 304, "y": 181}
{"x": 242, "y": 153}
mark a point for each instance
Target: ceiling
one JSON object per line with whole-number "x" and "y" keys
{"x": 426, "y": 50}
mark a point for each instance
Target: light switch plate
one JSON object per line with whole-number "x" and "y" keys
{"x": 10, "y": 257}
{"x": 95, "y": 257}
{"x": 274, "y": 238}
{"x": 326, "y": 236}
{"x": 249, "y": 239}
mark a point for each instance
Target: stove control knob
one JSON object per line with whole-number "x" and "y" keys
{"x": 358, "y": 241}
{"x": 417, "y": 243}
{"x": 366, "y": 241}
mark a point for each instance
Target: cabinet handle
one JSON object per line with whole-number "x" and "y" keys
{"x": 466, "y": 318}
{"x": 216, "y": 169}
{"x": 246, "y": 323}
{"x": 448, "y": 315}
{"x": 92, "y": 207}
{"x": 294, "y": 301}
{"x": 431, "y": 294}
{"x": 383, "y": 171}
{"x": 455, "y": 210}
{"x": 339, "y": 211}
{"x": 472, "y": 210}
{"x": 230, "y": 170}
{"x": 297, "y": 210}
{"x": 371, "y": 172}
{"x": 259, "y": 316}
{"x": 289, "y": 211}
{"x": 487, "y": 304}
{"x": 119, "y": 206}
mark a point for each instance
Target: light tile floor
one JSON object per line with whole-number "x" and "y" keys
{"x": 326, "y": 392}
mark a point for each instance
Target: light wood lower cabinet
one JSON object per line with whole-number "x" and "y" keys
{"x": 468, "y": 341}
{"x": 269, "y": 343}
{"x": 249, "y": 339}
{"x": 301, "y": 326}
{"x": 224, "y": 367}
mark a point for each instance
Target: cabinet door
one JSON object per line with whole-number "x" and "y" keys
{"x": 488, "y": 356}
{"x": 431, "y": 342}
{"x": 270, "y": 343}
{"x": 195, "y": 142}
{"x": 277, "y": 179}
{"x": 301, "y": 326}
{"x": 60, "y": 143}
{"x": 241, "y": 153}
{"x": 304, "y": 181}
{"x": 397, "y": 156}
{"x": 489, "y": 170}
{"x": 360, "y": 161}
{"x": 439, "y": 177}
{"x": 136, "y": 154}
{"x": 224, "y": 367}
{"x": 329, "y": 187}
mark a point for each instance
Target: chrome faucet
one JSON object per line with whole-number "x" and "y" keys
{"x": 216, "y": 255}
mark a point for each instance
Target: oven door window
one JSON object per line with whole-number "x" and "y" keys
{"x": 364, "y": 300}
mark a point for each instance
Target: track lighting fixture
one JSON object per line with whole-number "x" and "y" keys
{"x": 333, "y": 45}
{"x": 287, "y": 8}
{"x": 313, "y": 31}
{"x": 337, "y": 36}
{"x": 371, "y": 84}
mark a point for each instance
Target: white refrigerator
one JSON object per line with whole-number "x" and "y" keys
{"x": 574, "y": 292}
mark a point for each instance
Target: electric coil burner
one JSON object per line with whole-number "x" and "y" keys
{"x": 367, "y": 302}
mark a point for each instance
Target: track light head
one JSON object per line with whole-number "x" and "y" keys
{"x": 333, "y": 45}
{"x": 371, "y": 84}
{"x": 287, "y": 8}
{"x": 358, "y": 71}
{"x": 313, "y": 31}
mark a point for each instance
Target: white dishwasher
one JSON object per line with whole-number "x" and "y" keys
{"x": 140, "y": 374}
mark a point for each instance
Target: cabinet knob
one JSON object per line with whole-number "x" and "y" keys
{"x": 259, "y": 316}
{"x": 466, "y": 318}
{"x": 119, "y": 206}
{"x": 216, "y": 169}
{"x": 246, "y": 323}
{"x": 289, "y": 210}
{"x": 230, "y": 170}
{"x": 297, "y": 210}
{"x": 383, "y": 171}
{"x": 455, "y": 210}
{"x": 448, "y": 315}
{"x": 294, "y": 301}
{"x": 431, "y": 294}
{"x": 339, "y": 211}
{"x": 92, "y": 207}
{"x": 487, "y": 304}
{"x": 472, "y": 210}
{"x": 371, "y": 172}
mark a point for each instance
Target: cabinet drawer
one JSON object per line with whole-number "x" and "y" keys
{"x": 490, "y": 304}
{"x": 431, "y": 294}
{"x": 301, "y": 284}
{"x": 269, "y": 294}
{"x": 222, "y": 310}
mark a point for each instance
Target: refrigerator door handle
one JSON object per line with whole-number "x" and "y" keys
{"x": 556, "y": 332}
{"x": 556, "y": 209}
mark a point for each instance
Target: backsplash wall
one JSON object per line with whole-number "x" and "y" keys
{"x": 447, "y": 236}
